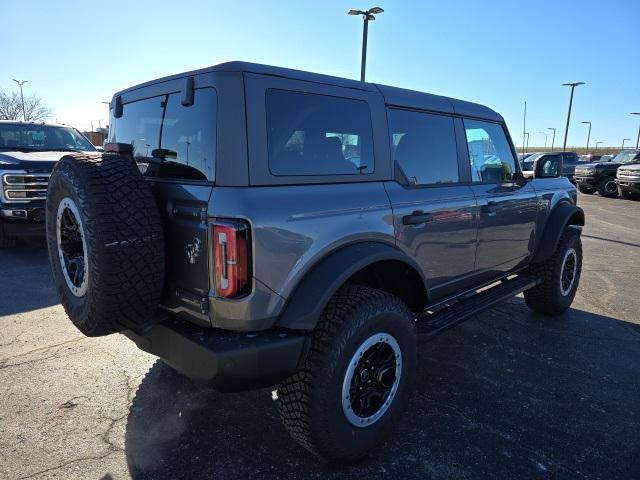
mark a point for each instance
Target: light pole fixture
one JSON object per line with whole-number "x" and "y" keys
{"x": 553, "y": 139}
{"x": 367, "y": 15}
{"x": 637, "y": 139}
{"x": 624, "y": 140}
{"x": 597, "y": 143}
{"x": 588, "y": 136}
{"x": 566, "y": 129}
{"x": 20, "y": 83}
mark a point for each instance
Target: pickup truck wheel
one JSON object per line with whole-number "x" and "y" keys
{"x": 356, "y": 376}
{"x": 106, "y": 245}
{"x": 559, "y": 275}
{"x": 586, "y": 190}
{"x": 624, "y": 193}
{"x": 607, "y": 187}
{"x": 5, "y": 240}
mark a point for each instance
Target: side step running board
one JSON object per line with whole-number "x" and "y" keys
{"x": 431, "y": 323}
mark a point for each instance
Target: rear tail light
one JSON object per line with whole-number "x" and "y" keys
{"x": 231, "y": 258}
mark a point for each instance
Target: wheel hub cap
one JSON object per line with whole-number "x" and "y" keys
{"x": 72, "y": 249}
{"x": 371, "y": 380}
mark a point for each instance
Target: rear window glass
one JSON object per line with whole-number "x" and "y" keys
{"x": 172, "y": 140}
{"x": 310, "y": 134}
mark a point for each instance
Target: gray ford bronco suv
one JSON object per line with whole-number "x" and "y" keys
{"x": 256, "y": 226}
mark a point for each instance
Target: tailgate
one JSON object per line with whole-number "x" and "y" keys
{"x": 184, "y": 213}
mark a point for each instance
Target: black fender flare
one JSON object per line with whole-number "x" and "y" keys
{"x": 304, "y": 307}
{"x": 562, "y": 215}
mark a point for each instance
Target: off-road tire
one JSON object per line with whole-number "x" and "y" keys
{"x": 124, "y": 243}
{"x": 624, "y": 194}
{"x": 547, "y": 297}
{"x": 604, "y": 184}
{"x": 310, "y": 401}
{"x": 586, "y": 190}
{"x": 5, "y": 240}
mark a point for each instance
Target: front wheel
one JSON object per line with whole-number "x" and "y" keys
{"x": 559, "y": 277}
{"x": 356, "y": 377}
{"x": 607, "y": 187}
{"x": 626, "y": 194}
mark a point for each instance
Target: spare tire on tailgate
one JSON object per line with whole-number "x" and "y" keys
{"x": 106, "y": 244}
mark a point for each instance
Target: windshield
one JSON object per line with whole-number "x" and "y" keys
{"x": 626, "y": 157}
{"x": 36, "y": 138}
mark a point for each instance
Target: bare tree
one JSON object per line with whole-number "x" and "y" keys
{"x": 34, "y": 107}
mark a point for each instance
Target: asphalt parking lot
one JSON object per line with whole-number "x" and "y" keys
{"x": 508, "y": 394}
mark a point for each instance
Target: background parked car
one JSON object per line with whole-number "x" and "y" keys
{"x": 569, "y": 162}
{"x": 628, "y": 176}
{"x": 601, "y": 176}
{"x": 28, "y": 152}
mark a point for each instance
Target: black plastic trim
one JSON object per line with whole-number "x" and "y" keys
{"x": 557, "y": 222}
{"x": 305, "y": 306}
{"x": 226, "y": 360}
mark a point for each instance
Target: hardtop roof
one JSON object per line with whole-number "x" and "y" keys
{"x": 393, "y": 95}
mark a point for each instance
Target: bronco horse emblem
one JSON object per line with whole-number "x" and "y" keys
{"x": 193, "y": 251}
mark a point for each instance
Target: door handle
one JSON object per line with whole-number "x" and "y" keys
{"x": 416, "y": 218}
{"x": 489, "y": 208}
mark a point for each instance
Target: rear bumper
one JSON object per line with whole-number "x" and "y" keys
{"x": 228, "y": 361}
{"x": 630, "y": 185}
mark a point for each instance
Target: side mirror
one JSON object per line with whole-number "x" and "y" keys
{"x": 548, "y": 167}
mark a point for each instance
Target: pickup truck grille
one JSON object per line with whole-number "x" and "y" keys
{"x": 24, "y": 187}
{"x": 628, "y": 174}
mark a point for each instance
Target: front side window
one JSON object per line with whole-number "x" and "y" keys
{"x": 176, "y": 141}
{"x": 310, "y": 134}
{"x": 424, "y": 147}
{"x": 490, "y": 155}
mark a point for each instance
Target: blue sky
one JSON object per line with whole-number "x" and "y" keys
{"x": 500, "y": 53}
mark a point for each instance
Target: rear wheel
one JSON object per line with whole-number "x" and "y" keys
{"x": 607, "y": 187}
{"x": 559, "y": 277}
{"x": 356, "y": 377}
{"x": 105, "y": 241}
{"x": 5, "y": 240}
{"x": 586, "y": 190}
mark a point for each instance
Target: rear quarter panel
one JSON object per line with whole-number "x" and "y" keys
{"x": 294, "y": 227}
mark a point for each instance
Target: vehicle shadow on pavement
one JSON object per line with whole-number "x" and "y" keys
{"x": 508, "y": 394}
{"x": 33, "y": 288}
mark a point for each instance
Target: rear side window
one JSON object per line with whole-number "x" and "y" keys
{"x": 491, "y": 157}
{"x": 176, "y": 141}
{"x": 311, "y": 134}
{"x": 424, "y": 145}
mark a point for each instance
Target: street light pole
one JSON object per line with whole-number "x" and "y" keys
{"x": 546, "y": 139}
{"x": 367, "y": 15}
{"x": 24, "y": 114}
{"x": 527, "y": 134}
{"x": 597, "y": 143}
{"x": 637, "y": 139}
{"x": 624, "y": 140}
{"x": 553, "y": 139}
{"x": 588, "y": 137}
{"x": 524, "y": 126}
{"x": 566, "y": 129}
